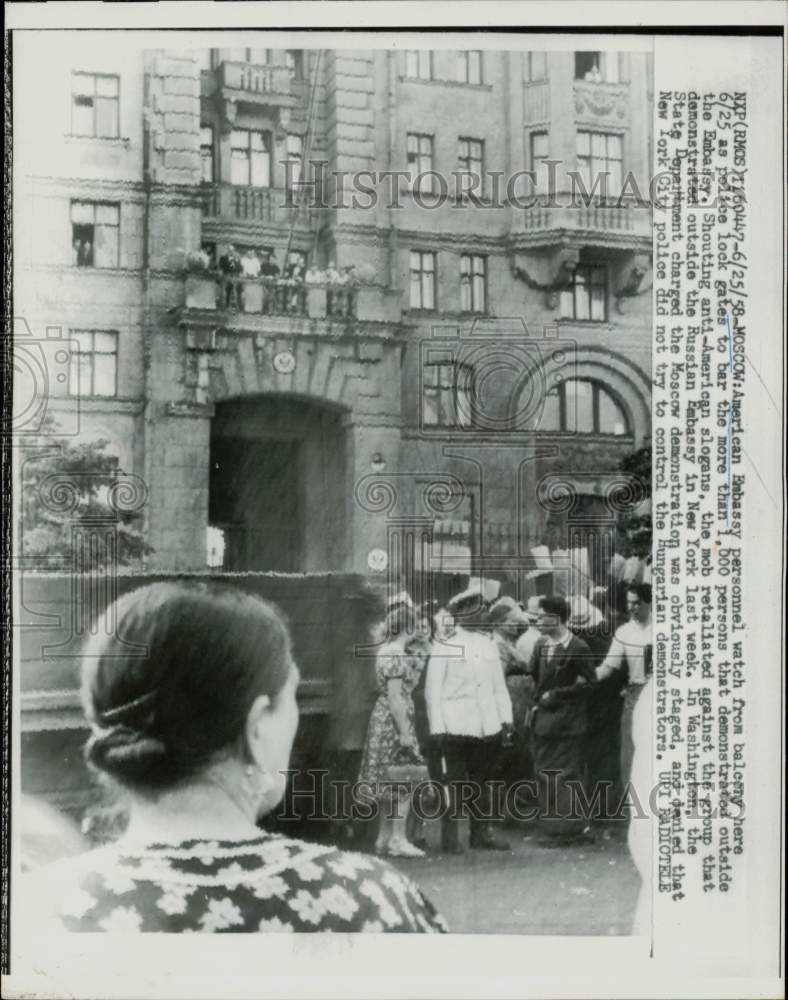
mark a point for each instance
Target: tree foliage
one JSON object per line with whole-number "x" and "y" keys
{"x": 67, "y": 485}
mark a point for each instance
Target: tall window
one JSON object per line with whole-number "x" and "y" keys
{"x": 294, "y": 60}
{"x": 206, "y": 153}
{"x": 597, "y": 153}
{"x": 94, "y": 105}
{"x": 95, "y": 233}
{"x": 422, "y": 280}
{"x": 587, "y": 298}
{"x": 535, "y": 67}
{"x": 295, "y": 160}
{"x": 469, "y": 66}
{"x": 250, "y": 158}
{"x": 94, "y": 363}
{"x": 448, "y": 394}
{"x": 420, "y": 162}
{"x": 581, "y": 406}
{"x": 471, "y": 161}
{"x": 597, "y": 67}
{"x": 418, "y": 64}
{"x": 473, "y": 283}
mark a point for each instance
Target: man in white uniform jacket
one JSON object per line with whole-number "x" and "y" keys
{"x": 470, "y": 716}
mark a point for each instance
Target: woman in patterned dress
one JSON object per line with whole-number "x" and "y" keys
{"x": 194, "y": 714}
{"x": 392, "y": 729}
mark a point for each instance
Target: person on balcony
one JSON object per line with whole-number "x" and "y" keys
{"x": 250, "y": 265}
{"x": 314, "y": 276}
{"x": 230, "y": 265}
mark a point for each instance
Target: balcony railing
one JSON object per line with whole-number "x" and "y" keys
{"x": 252, "y": 204}
{"x": 212, "y": 291}
{"x": 273, "y": 296}
{"x": 260, "y": 84}
{"x": 604, "y": 102}
{"x": 609, "y": 220}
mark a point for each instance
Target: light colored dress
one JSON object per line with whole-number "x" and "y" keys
{"x": 382, "y": 741}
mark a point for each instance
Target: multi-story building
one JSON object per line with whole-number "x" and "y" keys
{"x": 500, "y": 335}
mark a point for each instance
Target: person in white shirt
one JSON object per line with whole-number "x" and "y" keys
{"x": 470, "y": 718}
{"x": 631, "y": 650}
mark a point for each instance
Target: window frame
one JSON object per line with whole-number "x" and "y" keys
{"x": 418, "y": 182}
{"x": 95, "y": 225}
{"x": 294, "y": 180}
{"x": 267, "y": 139}
{"x": 468, "y": 282}
{"x": 92, "y": 354}
{"x": 530, "y": 76}
{"x": 418, "y": 54}
{"x": 588, "y": 286}
{"x": 605, "y": 60}
{"x": 464, "y": 67}
{"x": 598, "y": 389}
{"x": 421, "y": 271}
{"x": 467, "y": 159}
{"x": 452, "y": 386}
{"x": 296, "y": 70}
{"x": 585, "y": 162}
{"x": 95, "y": 97}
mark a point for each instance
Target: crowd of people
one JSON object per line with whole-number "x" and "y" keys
{"x": 288, "y": 284}
{"x": 513, "y": 713}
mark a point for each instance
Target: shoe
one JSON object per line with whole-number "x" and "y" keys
{"x": 404, "y": 849}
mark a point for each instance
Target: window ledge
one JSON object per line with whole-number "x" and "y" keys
{"x": 446, "y": 83}
{"x": 123, "y": 141}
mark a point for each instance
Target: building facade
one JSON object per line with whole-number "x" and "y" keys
{"x": 490, "y": 349}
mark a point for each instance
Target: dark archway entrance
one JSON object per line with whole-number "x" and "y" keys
{"x": 277, "y": 485}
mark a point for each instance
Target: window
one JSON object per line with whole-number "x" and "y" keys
{"x": 250, "y": 158}
{"x": 471, "y": 160}
{"x": 95, "y": 233}
{"x": 94, "y": 363}
{"x": 597, "y": 67}
{"x": 206, "y": 153}
{"x": 535, "y": 67}
{"x": 600, "y": 153}
{"x": 418, "y": 64}
{"x": 420, "y": 162}
{"x": 94, "y": 105}
{"x": 473, "y": 283}
{"x": 294, "y": 60}
{"x": 448, "y": 394}
{"x": 587, "y": 298}
{"x": 469, "y": 66}
{"x": 422, "y": 280}
{"x": 295, "y": 160}
{"x": 258, "y": 57}
{"x": 581, "y": 406}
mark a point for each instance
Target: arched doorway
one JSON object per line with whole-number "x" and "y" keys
{"x": 277, "y": 485}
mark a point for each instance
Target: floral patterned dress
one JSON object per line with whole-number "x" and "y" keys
{"x": 269, "y": 883}
{"x": 382, "y": 735}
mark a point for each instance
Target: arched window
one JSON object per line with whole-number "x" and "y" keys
{"x": 580, "y": 406}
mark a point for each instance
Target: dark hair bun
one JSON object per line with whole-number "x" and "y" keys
{"x": 126, "y": 754}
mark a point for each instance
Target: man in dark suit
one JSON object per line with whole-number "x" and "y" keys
{"x": 565, "y": 671}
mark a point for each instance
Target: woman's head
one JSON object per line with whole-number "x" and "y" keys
{"x": 188, "y": 674}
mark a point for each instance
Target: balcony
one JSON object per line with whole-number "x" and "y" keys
{"x": 263, "y": 206}
{"x": 558, "y": 222}
{"x": 242, "y": 300}
{"x": 246, "y": 83}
